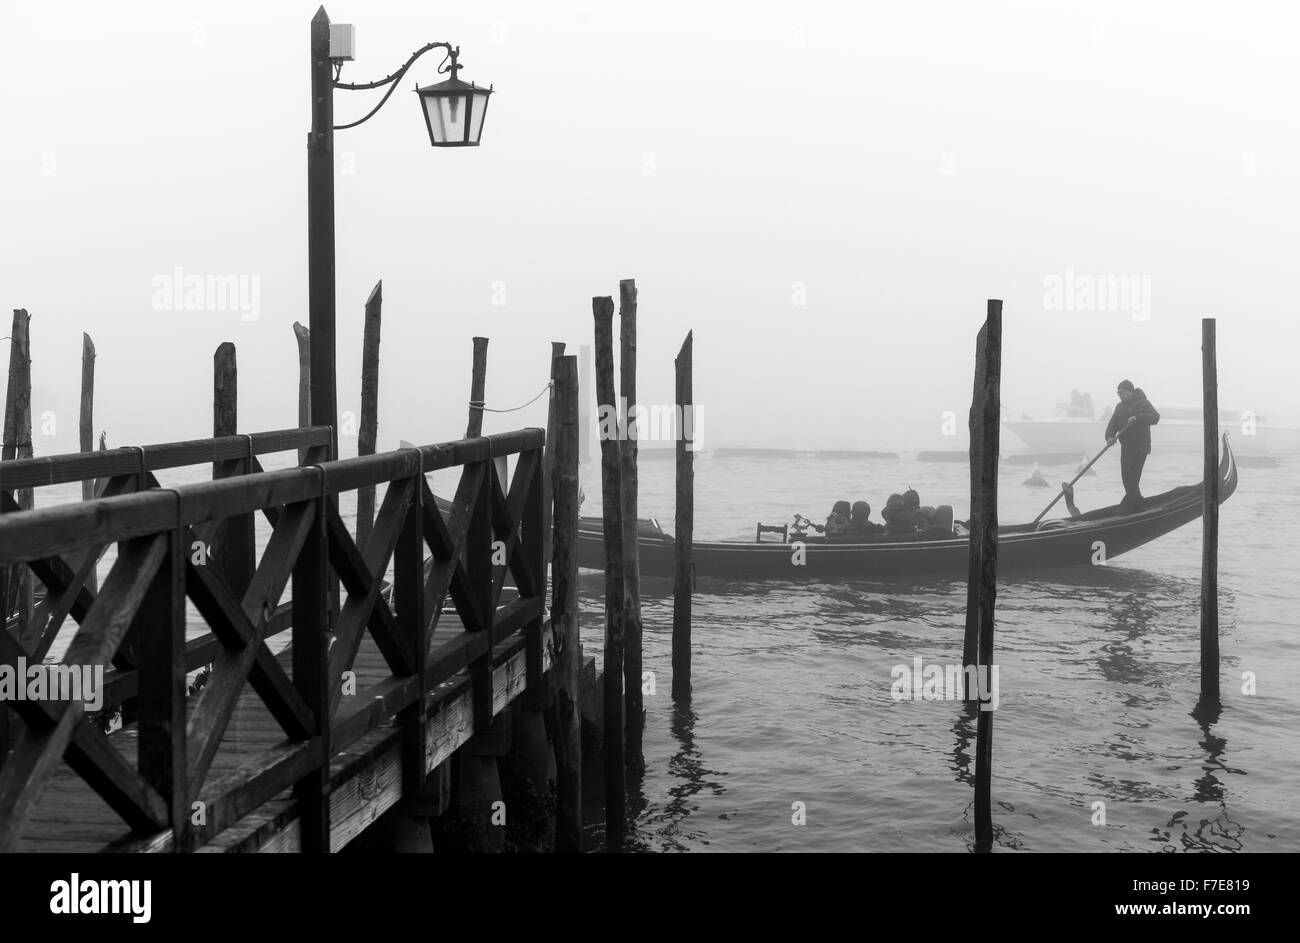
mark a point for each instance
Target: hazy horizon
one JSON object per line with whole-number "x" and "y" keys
{"x": 825, "y": 196}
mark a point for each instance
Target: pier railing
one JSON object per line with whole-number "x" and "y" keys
{"x": 299, "y": 792}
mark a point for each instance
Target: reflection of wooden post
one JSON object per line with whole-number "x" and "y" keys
{"x": 17, "y": 596}
{"x": 233, "y": 550}
{"x": 1210, "y": 519}
{"x": 564, "y": 609}
{"x": 369, "y": 430}
{"x": 304, "y": 381}
{"x": 612, "y": 722}
{"x": 86, "y": 427}
{"x": 984, "y": 430}
{"x": 684, "y": 527}
{"x": 634, "y": 711}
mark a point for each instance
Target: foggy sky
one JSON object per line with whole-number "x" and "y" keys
{"x": 890, "y": 166}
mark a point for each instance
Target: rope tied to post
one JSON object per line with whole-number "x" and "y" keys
{"x": 478, "y": 404}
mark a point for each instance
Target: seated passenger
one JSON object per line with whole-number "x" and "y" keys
{"x": 860, "y": 524}
{"x": 837, "y": 525}
{"x": 898, "y": 519}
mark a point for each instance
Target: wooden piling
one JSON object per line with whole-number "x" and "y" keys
{"x": 17, "y": 596}
{"x": 369, "y": 431}
{"x": 86, "y": 428}
{"x": 233, "y": 550}
{"x": 585, "y": 389}
{"x": 1210, "y": 519}
{"x": 548, "y": 461}
{"x": 985, "y": 428}
{"x": 564, "y": 608}
{"x": 304, "y": 381}
{"x": 684, "y": 525}
{"x": 634, "y": 712}
{"x": 612, "y": 746}
{"x": 477, "y": 385}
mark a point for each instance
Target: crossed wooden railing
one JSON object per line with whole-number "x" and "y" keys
{"x": 135, "y": 625}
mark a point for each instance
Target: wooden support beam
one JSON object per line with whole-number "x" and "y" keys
{"x": 564, "y": 609}
{"x": 684, "y": 524}
{"x": 1210, "y": 520}
{"x": 985, "y": 427}
{"x": 634, "y": 710}
{"x": 311, "y": 637}
{"x": 612, "y": 748}
{"x": 18, "y": 586}
{"x": 477, "y": 386}
{"x": 303, "y": 336}
{"x": 86, "y": 427}
{"x": 548, "y": 464}
{"x": 233, "y": 550}
{"x": 369, "y": 431}
{"x": 159, "y": 628}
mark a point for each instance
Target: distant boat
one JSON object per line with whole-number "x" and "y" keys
{"x": 1053, "y": 543}
{"x": 1179, "y": 429}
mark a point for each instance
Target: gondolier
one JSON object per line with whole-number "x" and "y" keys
{"x": 1132, "y": 421}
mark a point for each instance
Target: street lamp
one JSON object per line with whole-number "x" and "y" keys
{"x": 453, "y": 112}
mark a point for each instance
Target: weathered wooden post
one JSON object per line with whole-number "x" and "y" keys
{"x": 634, "y": 716}
{"x": 233, "y": 551}
{"x": 369, "y": 430}
{"x": 1210, "y": 519}
{"x": 585, "y": 388}
{"x": 548, "y": 464}
{"x": 684, "y": 525}
{"x": 564, "y": 609}
{"x": 304, "y": 381}
{"x": 86, "y": 428}
{"x": 985, "y": 427}
{"x": 612, "y": 723}
{"x": 19, "y": 588}
{"x": 477, "y": 385}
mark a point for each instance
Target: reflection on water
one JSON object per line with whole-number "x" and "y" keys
{"x": 1099, "y": 675}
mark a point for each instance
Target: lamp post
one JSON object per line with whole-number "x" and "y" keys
{"x": 453, "y": 113}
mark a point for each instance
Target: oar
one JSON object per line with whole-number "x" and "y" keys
{"x": 1084, "y": 469}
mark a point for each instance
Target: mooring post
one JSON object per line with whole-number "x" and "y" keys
{"x": 567, "y": 670}
{"x": 985, "y": 427}
{"x": 303, "y": 337}
{"x": 1210, "y": 520}
{"x": 369, "y": 429}
{"x": 233, "y": 552}
{"x": 585, "y": 388}
{"x": 18, "y": 595}
{"x": 612, "y": 723}
{"x": 86, "y": 428}
{"x": 684, "y": 524}
{"x": 477, "y": 385}
{"x": 634, "y": 711}
{"x": 548, "y": 461}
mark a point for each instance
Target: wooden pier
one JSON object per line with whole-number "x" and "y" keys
{"x": 312, "y": 723}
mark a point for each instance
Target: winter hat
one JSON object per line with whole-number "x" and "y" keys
{"x": 1125, "y": 385}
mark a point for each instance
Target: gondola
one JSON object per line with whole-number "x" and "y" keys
{"x": 1094, "y": 538}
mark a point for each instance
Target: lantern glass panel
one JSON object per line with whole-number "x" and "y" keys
{"x": 447, "y": 118}
{"x": 477, "y": 110}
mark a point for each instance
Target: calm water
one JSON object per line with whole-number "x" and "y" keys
{"x": 1098, "y": 675}
{"x": 1098, "y": 680}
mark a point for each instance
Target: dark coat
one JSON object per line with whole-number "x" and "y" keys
{"x": 1138, "y": 437}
